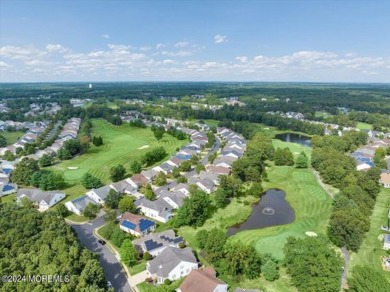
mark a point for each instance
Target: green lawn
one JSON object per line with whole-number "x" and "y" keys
{"x": 371, "y": 250}
{"x": 8, "y": 198}
{"x": 12, "y": 137}
{"x": 138, "y": 268}
{"x": 312, "y": 211}
{"x": 294, "y": 147}
{"x": 311, "y": 204}
{"x": 121, "y": 146}
{"x": 145, "y": 287}
{"x": 364, "y": 126}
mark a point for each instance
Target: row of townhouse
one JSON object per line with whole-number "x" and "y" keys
{"x": 29, "y": 137}
{"x": 68, "y": 132}
{"x": 160, "y": 209}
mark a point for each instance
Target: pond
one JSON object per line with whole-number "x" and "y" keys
{"x": 272, "y": 210}
{"x": 294, "y": 138}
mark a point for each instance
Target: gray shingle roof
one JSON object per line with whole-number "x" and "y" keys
{"x": 159, "y": 205}
{"x": 102, "y": 192}
{"x": 81, "y": 202}
{"x": 168, "y": 259}
{"x": 37, "y": 195}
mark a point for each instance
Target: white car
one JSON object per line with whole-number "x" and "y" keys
{"x": 109, "y": 285}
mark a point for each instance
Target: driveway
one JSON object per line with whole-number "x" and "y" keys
{"x": 138, "y": 278}
{"x": 110, "y": 264}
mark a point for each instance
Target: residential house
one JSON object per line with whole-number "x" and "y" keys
{"x": 155, "y": 243}
{"x": 149, "y": 174}
{"x": 175, "y": 161}
{"x": 205, "y": 175}
{"x": 42, "y": 199}
{"x": 172, "y": 263}
{"x": 99, "y": 195}
{"x": 123, "y": 187}
{"x": 224, "y": 161}
{"x": 184, "y": 188}
{"x": 137, "y": 181}
{"x": 232, "y": 153}
{"x": 218, "y": 169}
{"x": 158, "y": 210}
{"x": 175, "y": 199}
{"x": 204, "y": 280}
{"x": 136, "y": 225}
{"x": 385, "y": 179}
{"x": 204, "y": 184}
{"x": 78, "y": 205}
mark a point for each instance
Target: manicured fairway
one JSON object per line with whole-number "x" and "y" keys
{"x": 11, "y": 137}
{"x": 311, "y": 204}
{"x": 121, "y": 146}
{"x": 371, "y": 250}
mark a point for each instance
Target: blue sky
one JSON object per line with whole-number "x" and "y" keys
{"x": 307, "y": 40}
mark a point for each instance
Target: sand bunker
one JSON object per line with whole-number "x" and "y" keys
{"x": 310, "y": 233}
{"x": 73, "y": 167}
{"x": 143, "y": 147}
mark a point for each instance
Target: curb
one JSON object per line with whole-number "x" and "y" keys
{"x": 116, "y": 254}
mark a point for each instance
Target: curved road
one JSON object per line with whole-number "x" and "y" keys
{"x": 110, "y": 264}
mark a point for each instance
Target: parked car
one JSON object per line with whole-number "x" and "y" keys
{"x": 101, "y": 241}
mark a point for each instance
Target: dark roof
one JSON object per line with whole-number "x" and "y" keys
{"x": 136, "y": 222}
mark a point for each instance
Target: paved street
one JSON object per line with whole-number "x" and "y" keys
{"x": 111, "y": 267}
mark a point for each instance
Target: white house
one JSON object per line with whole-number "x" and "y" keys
{"x": 99, "y": 195}
{"x": 43, "y": 200}
{"x": 158, "y": 210}
{"x": 172, "y": 263}
{"x": 77, "y": 205}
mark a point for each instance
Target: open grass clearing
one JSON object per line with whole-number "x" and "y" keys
{"x": 364, "y": 126}
{"x": 370, "y": 251}
{"x": 11, "y": 137}
{"x": 121, "y": 146}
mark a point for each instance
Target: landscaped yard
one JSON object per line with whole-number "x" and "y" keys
{"x": 371, "y": 250}
{"x": 11, "y": 137}
{"x": 121, "y": 146}
{"x": 364, "y": 126}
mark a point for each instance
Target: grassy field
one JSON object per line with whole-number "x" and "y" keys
{"x": 364, "y": 126}
{"x": 11, "y": 137}
{"x": 294, "y": 147}
{"x": 311, "y": 204}
{"x": 371, "y": 250}
{"x": 121, "y": 146}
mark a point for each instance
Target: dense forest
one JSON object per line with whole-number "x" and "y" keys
{"x": 33, "y": 243}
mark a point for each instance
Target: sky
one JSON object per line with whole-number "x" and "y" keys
{"x": 187, "y": 40}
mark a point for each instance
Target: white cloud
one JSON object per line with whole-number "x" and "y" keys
{"x": 160, "y": 46}
{"x": 105, "y": 36}
{"x": 144, "y": 49}
{"x": 177, "y": 53}
{"x": 242, "y": 59}
{"x": 4, "y": 64}
{"x": 219, "y": 39}
{"x": 168, "y": 61}
{"x": 182, "y": 44}
{"x": 123, "y": 62}
{"x": 55, "y": 48}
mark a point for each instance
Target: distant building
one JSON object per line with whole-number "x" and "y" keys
{"x": 136, "y": 225}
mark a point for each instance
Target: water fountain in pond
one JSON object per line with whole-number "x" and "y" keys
{"x": 272, "y": 210}
{"x": 268, "y": 211}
